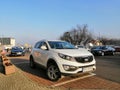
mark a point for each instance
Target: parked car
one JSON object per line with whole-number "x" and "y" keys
{"x": 61, "y": 58}
{"x": 117, "y": 48}
{"x": 81, "y": 46}
{"x": 103, "y": 50}
{"x": 17, "y": 51}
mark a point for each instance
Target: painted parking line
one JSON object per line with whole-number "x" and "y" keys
{"x": 68, "y": 81}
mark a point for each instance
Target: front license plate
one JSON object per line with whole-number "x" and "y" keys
{"x": 19, "y": 53}
{"x": 87, "y": 69}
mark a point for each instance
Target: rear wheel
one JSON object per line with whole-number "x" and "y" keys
{"x": 102, "y": 54}
{"x": 53, "y": 72}
{"x": 32, "y": 63}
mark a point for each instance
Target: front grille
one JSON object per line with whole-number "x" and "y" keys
{"x": 84, "y": 59}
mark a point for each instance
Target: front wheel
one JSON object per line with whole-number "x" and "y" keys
{"x": 53, "y": 72}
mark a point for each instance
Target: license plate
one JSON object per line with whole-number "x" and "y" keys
{"x": 19, "y": 53}
{"x": 87, "y": 69}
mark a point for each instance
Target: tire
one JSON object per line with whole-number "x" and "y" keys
{"x": 32, "y": 63}
{"x": 102, "y": 54}
{"x": 113, "y": 53}
{"x": 23, "y": 54}
{"x": 53, "y": 72}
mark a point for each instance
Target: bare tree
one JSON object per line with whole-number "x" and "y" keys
{"x": 79, "y": 35}
{"x": 109, "y": 41}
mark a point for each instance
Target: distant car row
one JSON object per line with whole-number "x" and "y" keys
{"x": 96, "y": 50}
{"x": 101, "y": 50}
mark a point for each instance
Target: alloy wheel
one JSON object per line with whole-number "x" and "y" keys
{"x": 102, "y": 54}
{"x": 53, "y": 72}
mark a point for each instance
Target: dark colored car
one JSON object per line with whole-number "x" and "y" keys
{"x": 103, "y": 50}
{"x": 17, "y": 51}
{"x": 117, "y": 48}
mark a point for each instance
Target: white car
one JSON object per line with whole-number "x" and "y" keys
{"x": 81, "y": 46}
{"x": 61, "y": 58}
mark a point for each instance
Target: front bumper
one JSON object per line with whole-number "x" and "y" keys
{"x": 17, "y": 53}
{"x": 79, "y": 70}
{"x": 74, "y": 67}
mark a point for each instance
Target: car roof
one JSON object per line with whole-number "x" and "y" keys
{"x": 16, "y": 47}
{"x": 51, "y": 40}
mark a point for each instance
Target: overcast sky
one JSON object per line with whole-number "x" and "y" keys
{"x": 31, "y": 20}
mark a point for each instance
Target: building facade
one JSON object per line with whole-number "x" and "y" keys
{"x": 7, "y": 42}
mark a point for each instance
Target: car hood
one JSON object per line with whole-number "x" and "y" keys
{"x": 73, "y": 52}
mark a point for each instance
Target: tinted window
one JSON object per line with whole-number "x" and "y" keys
{"x": 96, "y": 47}
{"x": 17, "y": 48}
{"x": 104, "y": 47}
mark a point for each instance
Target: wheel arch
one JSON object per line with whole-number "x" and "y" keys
{"x": 52, "y": 61}
{"x": 30, "y": 56}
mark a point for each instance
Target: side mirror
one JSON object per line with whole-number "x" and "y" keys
{"x": 43, "y": 47}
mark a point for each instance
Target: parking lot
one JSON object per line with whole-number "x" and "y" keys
{"x": 108, "y": 67}
{"x": 105, "y": 77}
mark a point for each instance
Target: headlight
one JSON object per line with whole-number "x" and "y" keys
{"x": 66, "y": 57}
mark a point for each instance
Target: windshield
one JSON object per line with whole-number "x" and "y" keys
{"x": 17, "y": 48}
{"x": 104, "y": 47}
{"x": 60, "y": 45}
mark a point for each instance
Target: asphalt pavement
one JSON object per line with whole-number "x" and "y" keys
{"x": 108, "y": 67}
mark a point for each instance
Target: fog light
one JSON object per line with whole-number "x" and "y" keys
{"x": 66, "y": 67}
{"x": 69, "y": 68}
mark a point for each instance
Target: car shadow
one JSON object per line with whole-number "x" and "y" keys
{"x": 23, "y": 64}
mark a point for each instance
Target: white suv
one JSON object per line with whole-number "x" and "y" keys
{"x": 61, "y": 58}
